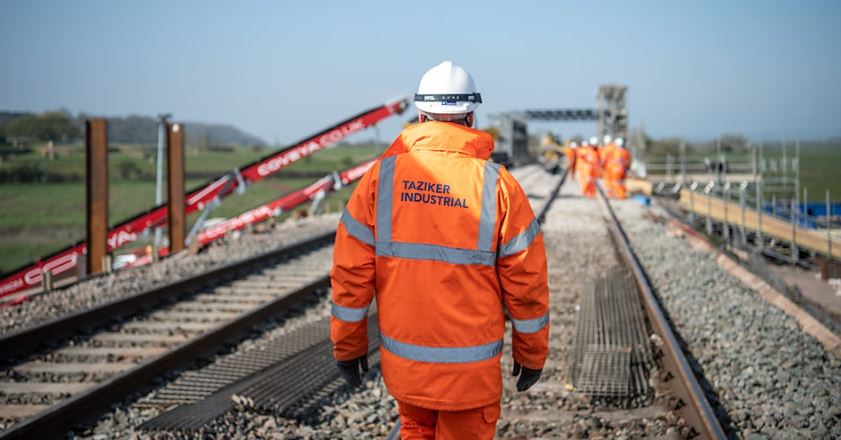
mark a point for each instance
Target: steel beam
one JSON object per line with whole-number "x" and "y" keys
{"x": 175, "y": 186}
{"x": 96, "y": 192}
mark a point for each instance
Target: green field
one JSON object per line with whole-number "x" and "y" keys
{"x": 38, "y": 218}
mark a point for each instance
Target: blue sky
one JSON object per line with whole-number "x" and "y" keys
{"x": 281, "y": 70}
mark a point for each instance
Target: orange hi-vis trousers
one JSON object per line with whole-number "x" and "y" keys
{"x": 587, "y": 183}
{"x": 420, "y": 423}
{"x": 615, "y": 185}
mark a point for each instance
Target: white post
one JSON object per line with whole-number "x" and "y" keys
{"x": 159, "y": 176}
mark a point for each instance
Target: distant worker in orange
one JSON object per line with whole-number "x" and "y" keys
{"x": 617, "y": 161}
{"x": 606, "y": 149}
{"x": 587, "y": 166}
{"x": 569, "y": 152}
{"x": 444, "y": 239}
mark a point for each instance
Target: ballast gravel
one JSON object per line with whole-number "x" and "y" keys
{"x": 771, "y": 379}
{"x": 102, "y": 289}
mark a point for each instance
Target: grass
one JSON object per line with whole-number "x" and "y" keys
{"x": 39, "y": 218}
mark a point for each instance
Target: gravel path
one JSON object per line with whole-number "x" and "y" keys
{"x": 772, "y": 380}
{"x": 117, "y": 285}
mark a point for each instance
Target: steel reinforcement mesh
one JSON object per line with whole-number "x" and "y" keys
{"x": 611, "y": 353}
{"x": 292, "y": 376}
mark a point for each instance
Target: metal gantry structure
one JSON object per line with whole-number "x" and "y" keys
{"x": 610, "y": 115}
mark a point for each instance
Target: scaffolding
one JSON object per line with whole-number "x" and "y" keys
{"x": 756, "y": 202}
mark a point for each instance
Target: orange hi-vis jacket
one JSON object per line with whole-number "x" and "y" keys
{"x": 569, "y": 152}
{"x": 444, "y": 238}
{"x": 616, "y": 162}
{"x": 587, "y": 161}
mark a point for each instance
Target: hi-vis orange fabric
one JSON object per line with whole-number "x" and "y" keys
{"x": 443, "y": 238}
{"x": 569, "y": 152}
{"x": 418, "y": 423}
{"x": 587, "y": 168}
{"x": 615, "y": 161}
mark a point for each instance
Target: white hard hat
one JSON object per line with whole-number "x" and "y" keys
{"x": 447, "y": 89}
{"x": 573, "y": 144}
{"x": 594, "y": 141}
{"x": 620, "y": 142}
{"x": 606, "y": 139}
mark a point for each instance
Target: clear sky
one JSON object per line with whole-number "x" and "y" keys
{"x": 281, "y": 70}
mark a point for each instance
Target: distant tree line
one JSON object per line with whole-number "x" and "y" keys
{"x": 23, "y": 129}
{"x": 30, "y": 128}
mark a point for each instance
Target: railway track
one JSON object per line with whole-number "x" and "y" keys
{"x": 584, "y": 259}
{"x": 691, "y": 403}
{"x": 129, "y": 343}
{"x": 116, "y": 349}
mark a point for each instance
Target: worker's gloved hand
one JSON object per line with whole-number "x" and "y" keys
{"x": 350, "y": 369}
{"x": 528, "y": 377}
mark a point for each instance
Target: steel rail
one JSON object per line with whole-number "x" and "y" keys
{"x": 31, "y": 339}
{"x": 541, "y": 217}
{"x": 58, "y": 419}
{"x": 695, "y": 408}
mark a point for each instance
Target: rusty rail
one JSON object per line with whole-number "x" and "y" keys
{"x": 56, "y": 420}
{"x": 693, "y": 405}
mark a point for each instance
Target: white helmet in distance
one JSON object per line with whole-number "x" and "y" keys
{"x": 607, "y": 139}
{"x": 620, "y": 142}
{"x": 594, "y": 141}
{"x": 573, "y": 144}
{"x": 447, "y": 89}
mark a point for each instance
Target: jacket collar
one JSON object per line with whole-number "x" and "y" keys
{"x": 447, "y": 137}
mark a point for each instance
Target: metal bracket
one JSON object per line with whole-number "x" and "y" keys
{"x": 316, "y": 202}
{"x": 199, "y": 225}
{"x": 241, "y": 185}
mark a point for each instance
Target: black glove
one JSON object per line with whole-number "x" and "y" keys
{"x": 528, "y": 377}
{"x": 350, "y": 369}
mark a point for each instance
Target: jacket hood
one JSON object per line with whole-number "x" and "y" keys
{"x": 443, "y": 136}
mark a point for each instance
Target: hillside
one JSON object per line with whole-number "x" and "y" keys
{"x": 133, "y": 129}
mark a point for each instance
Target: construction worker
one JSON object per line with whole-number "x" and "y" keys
{"x": 616, "y": 163}
{"x": 588, "y": 166}
{"x": 570, "y": 155}
{"x": 607, "y": 147}
{"x": 444, "y": 239}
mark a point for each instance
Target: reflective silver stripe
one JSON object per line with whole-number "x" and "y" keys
{"x": 356, "y": 229}
{"x": 349, "y": 314}
{"x": 521, "y": 241}
{"x": 419, "y": 251}
{"x": 444, "y": 355}
{"x": 385, "y": 195}
{"x": 487, "y": 219}
{"x": 530, "y": 325}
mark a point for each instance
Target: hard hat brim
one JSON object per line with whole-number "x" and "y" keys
{"x": 446, "y": 109}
